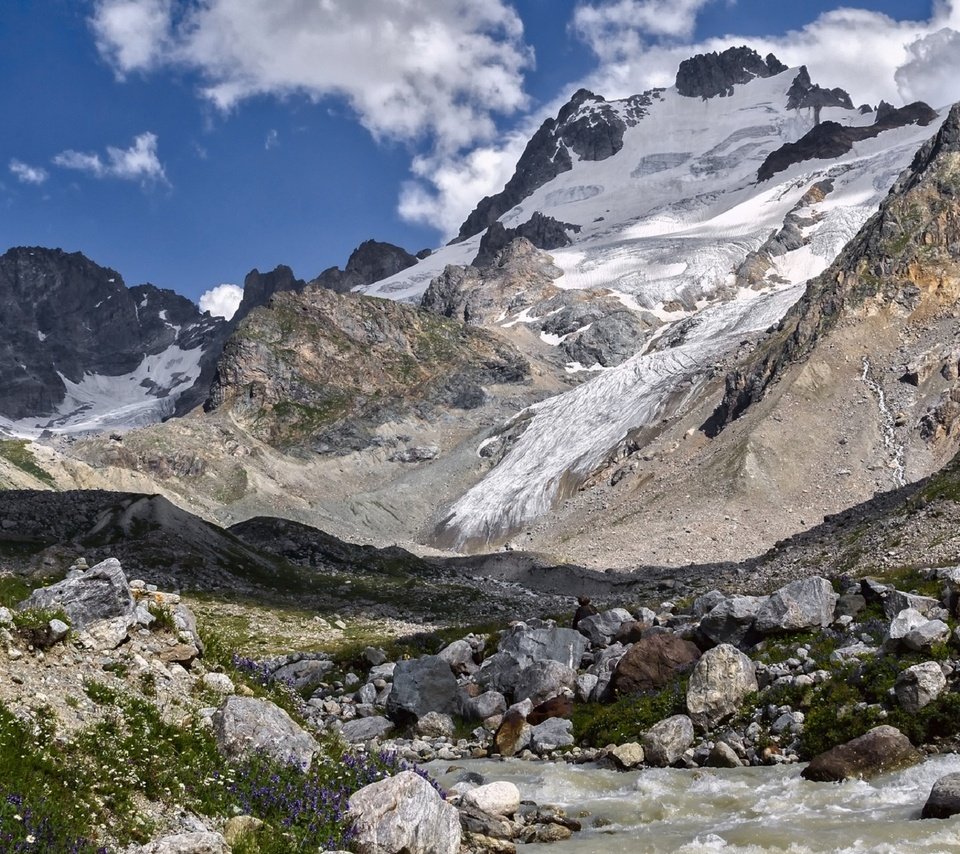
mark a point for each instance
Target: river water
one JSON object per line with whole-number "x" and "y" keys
{"x": 735, "y": 811}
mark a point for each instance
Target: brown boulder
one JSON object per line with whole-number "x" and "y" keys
{"x": 631, "y": 632}
{"x": 513, "y": 734}
{"x": 882, "y": 750}
{"x": 557, "y": 707}
{"x": 653, "y": 663}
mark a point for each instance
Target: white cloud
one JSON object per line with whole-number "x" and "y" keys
{"x": 932, "y": 70}
{"x": 436, "y": 68}
{"x": 222, "y": 301}
{"x": 139, "y": 162}
{"x": 27, "y": 174}
{"x": 272, "y": 140}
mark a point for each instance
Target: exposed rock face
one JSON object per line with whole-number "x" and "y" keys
{"x": 708, "y": 75}
{"x": 944, "y": 799}
{"x": 544, "y": 232}
{"x": 587, "y": 126}
{"x": 422, "y": 685}
{"x": 897, "y": 256}
{"x": 803, "y": 604}
{"x": 245, "y": 725}
{"x": 665, "y": 742}
{"x": 259, "y": 288}
{"x": 831, "y": 139}
{"x": 328, "y": 369}
{"x": 64, "y": 317}
{"x": 804, "y": 93}
{"x": 370, "y": 262}
{"x": 654, "y": 662}
{"x": 404, "y": 814}
{"x": 100, "y": 593}
{"x": 882, "y": 750}
{"x": 718, "y": 684}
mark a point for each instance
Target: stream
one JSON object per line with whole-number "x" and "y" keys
{"x": 735, "y": 811}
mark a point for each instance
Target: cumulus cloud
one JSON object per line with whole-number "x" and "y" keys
{"x": 27, "y": 174}
{"x": 932, "y": 70}
{"x": 222, "y": 301}
{"x": 139, "y": 162}
{"x": 434, "y": 68}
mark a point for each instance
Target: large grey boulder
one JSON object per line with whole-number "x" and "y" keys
{"x": 944, "y": 799}
{"x": 501, "y": 798}
{"x": 500, "y": 672}
{"x": 306, "y": 673}
{"x": 720, "y": 681}
{"x": 364, "y": 729}
{"x": 896, "y": 601}
{"x": 603, "y": 627}
{"x": 403, "y": 814}
{"x": 927, "y": 634}
{"x": 903, "y": 623}
{"x": 551, "y": 734}
{"x": 664, "y": 743}
{"x": 920, "y": 685}
{"x": 544, "y": 680}
{"x": 481, "y": 707}
{"x": 100, "y": 593}
{"x": 882, "y": 750}
{"x": 603, "y": 667}
{"x": 731, "y": 620}
{"x": 243, "y": 726}
{"x": 459, "y": 655}
{"x": 536, "y": 644}
{"x": 804, "y": 604}
{"x": 422, "y": 685}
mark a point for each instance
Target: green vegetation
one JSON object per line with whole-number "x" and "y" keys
{"x": 33, "y": 624}
{"x": 14, "y": 589}
{"x": 17, "y": 452}
{"x": 626, "y": 719}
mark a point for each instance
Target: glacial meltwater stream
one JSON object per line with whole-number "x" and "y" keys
{"x": 738, "y": 811}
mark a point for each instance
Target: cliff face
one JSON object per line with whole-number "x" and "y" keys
{"x": 906, "y": 256}
{"x": 326, "y": 369}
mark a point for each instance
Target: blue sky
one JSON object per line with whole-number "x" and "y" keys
{"x": 184, "y": 142}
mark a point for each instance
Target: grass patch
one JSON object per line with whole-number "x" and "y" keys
{"x": 626, "y": 719}
{"x": 17, "y": 452}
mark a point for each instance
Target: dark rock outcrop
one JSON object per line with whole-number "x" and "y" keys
{"x": 708, "y": 75}
{"x": 895, "y": 249}
{"x": 64, "y": 317}
{"x": 804, "y": 93}
{"x": 830, "y": 139}
{"x": 944, "y": 799}
{"x": 882, "y": 750}
{"x": 370, "y": 262}
{"x": 544, "y": 232}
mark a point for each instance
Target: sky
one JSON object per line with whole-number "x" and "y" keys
{"x": 185, "y": 142}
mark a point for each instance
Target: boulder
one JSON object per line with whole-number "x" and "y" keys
{"x": 665, "y": 742}
{"x": 303, "y": 674}
{"x": 543, "y": 680}
{"x": 944, "y": 799}
{"x": 720, "y": 681}
{"x": 627, "y": 756}
{"x": 564, "y": 645}
{"x": 920, "y": 685}
{"x": 603, "y": 667}
{"x": 586, "y": 684}
{"x": 557, "y": 707}
{"x": 804, "y": 604}
{"x": 403, "y": 814}
{"x": 481, "y": 707}
{"x": 219, "y": 683}
{"x": 459, "y": 655}
{"x": 360, "y": 730}
{"x": 500, "y": 672}
{"x": 731, "y": 620}
{"x": 244, "y": 725}
{"x": 184, "y": 620}
{"x": 706, "y": 602}
{"x": 421, "y": 685}
{"x": 722, "y": 755}
{"x": 101, "y": 593}
{"x": 896, "y": 601}
{"x": 905, "y": 622}
{"x": 551, "y": 734}
{"x": 654, "y": 662}
{"x": 200, "y": 842}
{"x": 498, "y": 799}
{"x": 436, "y": 725}
{"x": 881, "y": 750}
{"x": 513, "y": 734}
{"x": 926, "y": 635}
{"x": 603, "y": 627}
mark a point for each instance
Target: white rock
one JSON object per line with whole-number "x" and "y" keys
{"x": 220, "y": 683}
{"x": 501, "y": 798}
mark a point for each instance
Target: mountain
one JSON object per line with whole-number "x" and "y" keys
{"x": 77, "y": 342}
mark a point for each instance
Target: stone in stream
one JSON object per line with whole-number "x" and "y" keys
{"x": 722, "y": 755}
{"x": 944, "y": 799}
{"x": 653, "y": 663}
{"x": 880, "y": 751}
{"x": 500, "y": 799}
{"x": 421, "y": 685}
{"x": 551, "y": 734}
{"x": 665, "y": 742}
{"x": 919, "y": 685}
{"x": 804, "y": 604}
{"x": 403, "y": 813}
{"x": 627, "y": 756}
{"x": 720, "y": 681}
